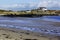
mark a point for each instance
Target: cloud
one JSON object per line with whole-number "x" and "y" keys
{"x": 22, "y": 5}
{"x": 32, "y": 5}
{"x": 49, "y": 3}
{"x": 43, "y": 3}
{"x": 13, "y": 6}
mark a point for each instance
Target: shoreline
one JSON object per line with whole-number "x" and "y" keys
{"x": 13, "y": 34}
{"x": 54, "y": 30}
{"x": 49, "y": 29}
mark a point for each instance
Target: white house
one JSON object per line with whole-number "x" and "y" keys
{"x": 28, "y": 11}
{"x": 42, "y": 8}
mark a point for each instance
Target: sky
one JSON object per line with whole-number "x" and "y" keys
{"x": 28, "y": 4}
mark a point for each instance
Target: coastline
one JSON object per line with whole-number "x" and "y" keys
{"x": 49, "y": 29}
{"x": 13, "y": 34}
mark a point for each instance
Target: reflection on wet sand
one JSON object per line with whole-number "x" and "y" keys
{"x": 32, "y": 26}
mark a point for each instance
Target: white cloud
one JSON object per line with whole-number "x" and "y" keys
{"x": 18, "y": 5}
{"x": 49, "y": 3}
{"x": 32, "y": 5}
{"x": 44, "y": 3}
{"x": 13, "y": 6}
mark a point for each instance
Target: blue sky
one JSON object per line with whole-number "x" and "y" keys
{"x": 10, "y": 4}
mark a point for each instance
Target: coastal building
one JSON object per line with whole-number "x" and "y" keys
{"x": 42, "y": 8}
{"x": 28, "y": 11}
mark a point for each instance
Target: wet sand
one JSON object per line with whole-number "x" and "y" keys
{"x": 29, "y": 29}
{"x": 15, "y": 34}
{"x": 40, "y": 26}
{"x": 18, "y": 34}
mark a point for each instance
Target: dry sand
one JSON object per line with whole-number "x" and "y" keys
{"x": 15, "y": 34}
{"x": 12, "y": 34}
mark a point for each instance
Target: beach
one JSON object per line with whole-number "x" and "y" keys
{"x": 28, "y": 29}
{"x": 15, "y": 34}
